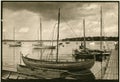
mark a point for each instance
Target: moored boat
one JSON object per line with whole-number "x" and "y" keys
{"x": 43, "y": 73}
{"x": 15, "y": 43}
{"x": 99, "y": 54}
{"x": 67, "y": 42}
{"x": 71, "y": 66}
{"x": 44, "y": 47}
{"x": 40, "y": 45}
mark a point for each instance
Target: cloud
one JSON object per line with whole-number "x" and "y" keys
{"x": 49, "y": 10}
{"x": 25, "y": 29}
{"x": 23, "y": 15}
{"x": 4, "y": 30}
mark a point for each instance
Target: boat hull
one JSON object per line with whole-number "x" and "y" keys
{"x": 15, "y": 45}
{"x": 97, "y": 54}
{"x": 44, "y": 47}
{"x": 70, "y": 66}
{"x": 41, "y": 72}
{"x": 44, "y": 73}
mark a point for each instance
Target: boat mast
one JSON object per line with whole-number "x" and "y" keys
{"x": 101, "y": 37}
{"x": 14, "y": 43}
{"x": 40, "y": 33}
{"x": 84, "y": 34}
{"x": 101, "y": 28}
{"x": 14, "y": 34}
{"x": 58, "y": 35}
{"x": 40, "y": 38}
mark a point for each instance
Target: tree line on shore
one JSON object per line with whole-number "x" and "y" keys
{"x": 77, "y": 39}
{"x": 92, "y": 39}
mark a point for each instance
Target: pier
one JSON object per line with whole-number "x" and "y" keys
{"x": 109, "y": 67}
{"x": 112, "y": 67}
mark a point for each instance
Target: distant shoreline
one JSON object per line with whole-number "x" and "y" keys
{"x": 72, "y": 39}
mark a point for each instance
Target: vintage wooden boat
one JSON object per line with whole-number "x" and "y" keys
{"x": 83, "y": 52}
{"x": 99, "y": 54}
{"x": 44, "y": 73}
{"x": 90, "y": 54}
{"x": 41, "y": 72}
{"x": 44, "y": 47}
{"x": 15, "y": 43}
{"x": 70, "y": 66}
{"x": 83, "y": 55}
{"x": 67, "y": 42}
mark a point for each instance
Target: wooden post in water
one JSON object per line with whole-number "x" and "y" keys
{"x": 58, "y": 35}
{"x": 20, "y": 58}
{"x": 14, "y": 34}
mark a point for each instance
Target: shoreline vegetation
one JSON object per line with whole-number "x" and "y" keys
{"x": 73, "y": 39}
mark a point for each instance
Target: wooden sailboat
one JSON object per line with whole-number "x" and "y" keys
{"x": 83, "y": 52}
{"x": 15, "y": 43}
{"x": 40, "y": 44}
{"x": 70, "y": 66}
{"x": 97, "y": 53}
{"x": 67, "y": 42}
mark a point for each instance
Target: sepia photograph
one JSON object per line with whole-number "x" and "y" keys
{"x": 73, "y": 40}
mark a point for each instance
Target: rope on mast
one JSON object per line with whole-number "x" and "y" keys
{"x": 69, "y": 26}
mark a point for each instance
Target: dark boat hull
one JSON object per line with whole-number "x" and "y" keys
{"x": 97, "y": 54}
{"x": 44, "y": 73}
{"x": 41, "y": 72}
{"x": 70, "y": 66}
{"x": 44, "y": 47}
{"x": 15, "y": 45}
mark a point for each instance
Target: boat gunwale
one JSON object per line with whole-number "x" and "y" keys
{"x": 53, "y": 62}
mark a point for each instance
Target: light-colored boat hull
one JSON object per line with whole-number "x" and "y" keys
{"x": 71, "y": 66}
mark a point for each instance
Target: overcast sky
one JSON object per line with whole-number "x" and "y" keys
{"x": 25, "y": 18}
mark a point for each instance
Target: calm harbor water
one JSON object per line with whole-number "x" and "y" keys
{"x": 11, "y": 55}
